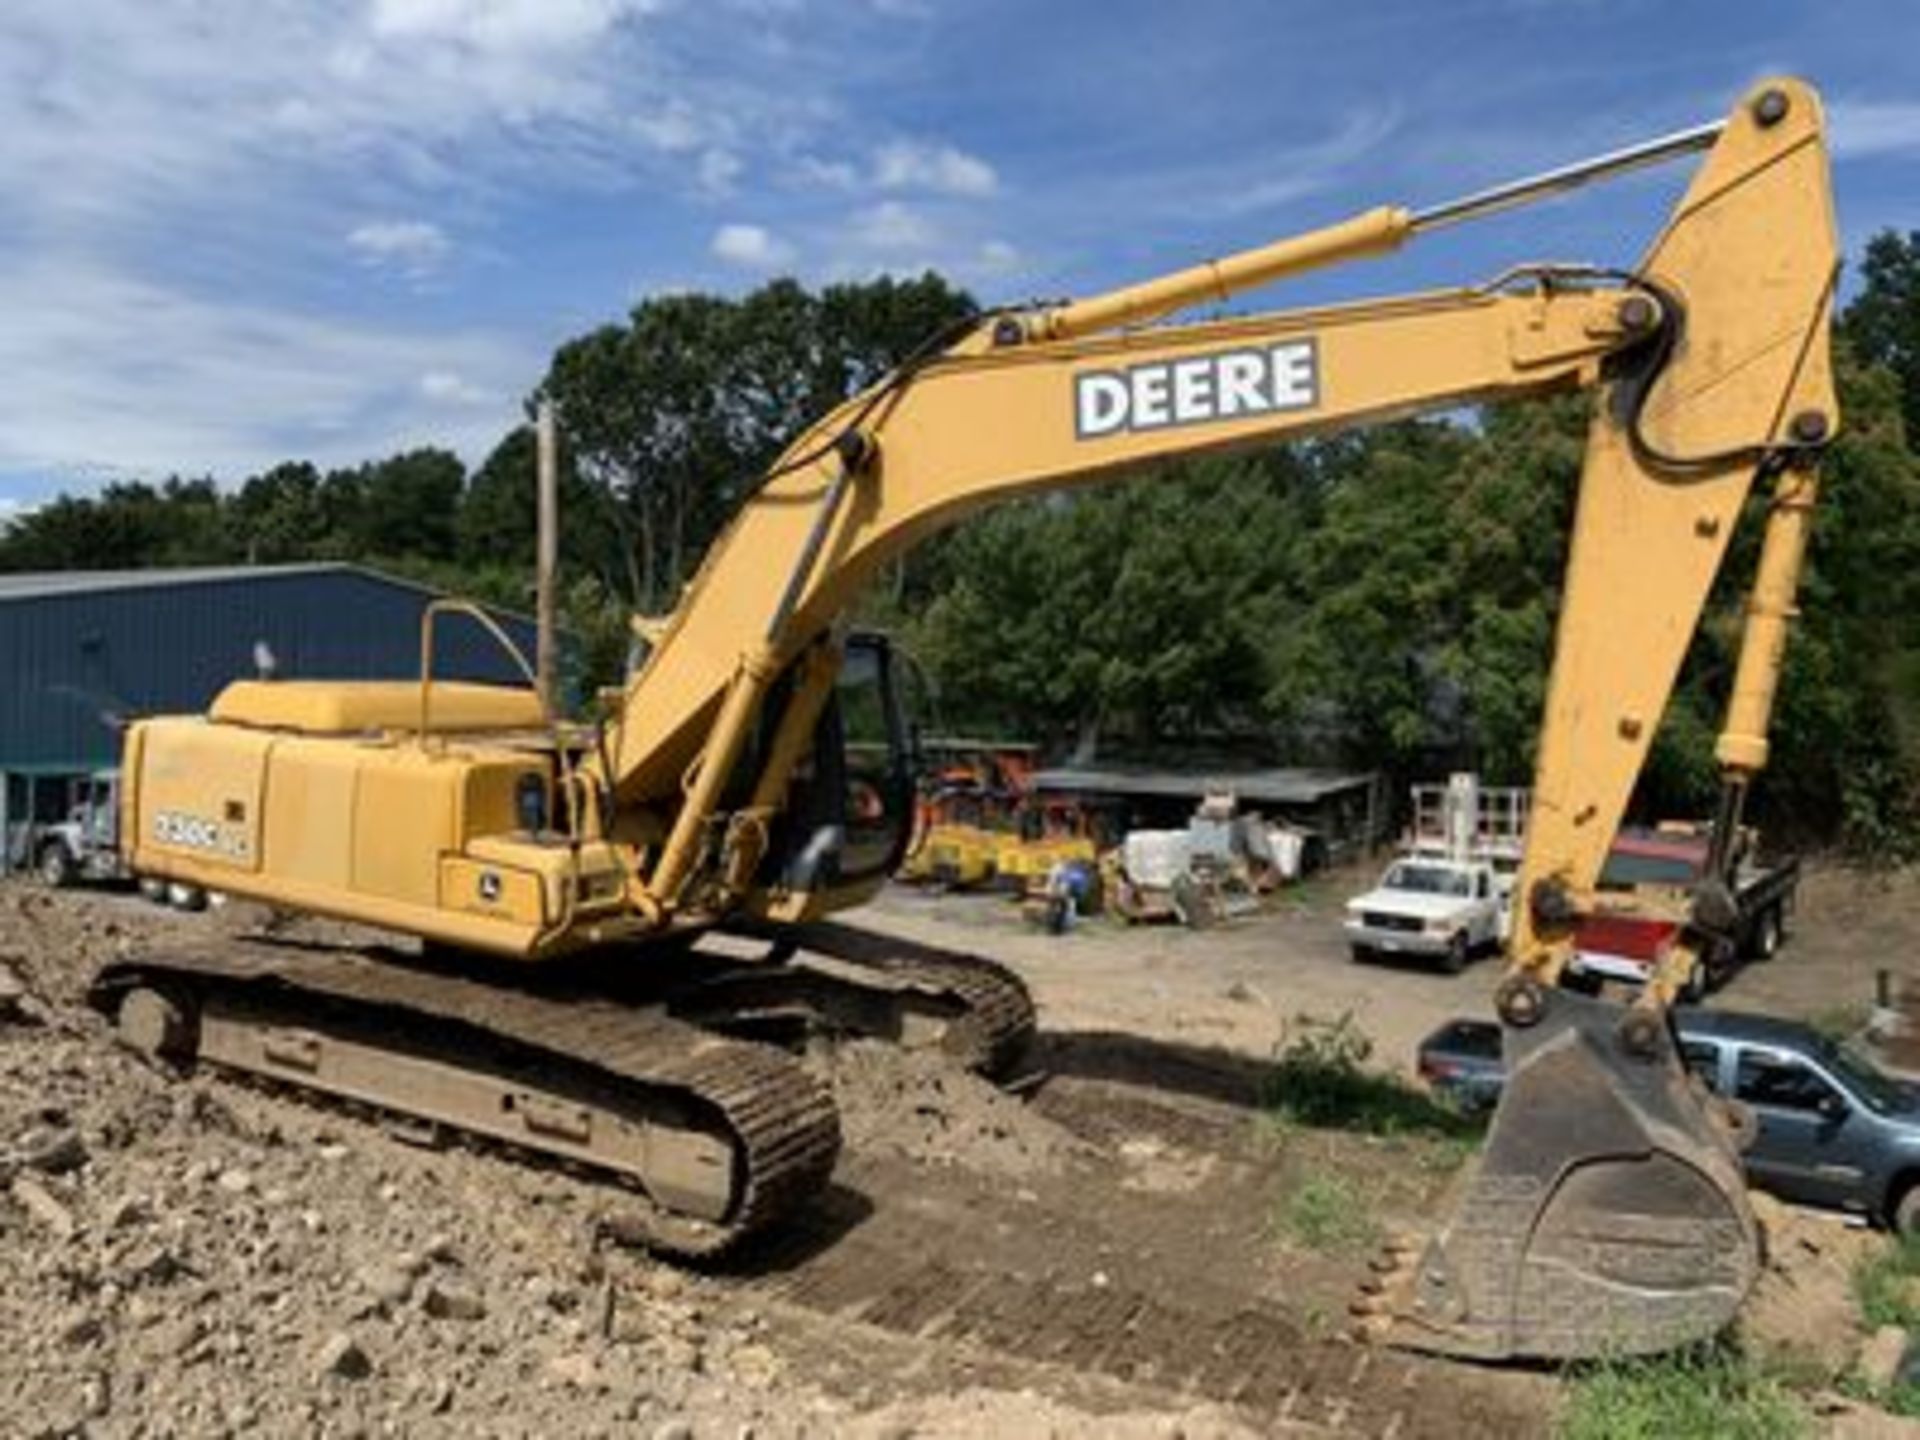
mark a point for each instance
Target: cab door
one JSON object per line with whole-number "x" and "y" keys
{"x": 849, "y": 807}
{"x": 1813, "y": 1142}
{"x": 1486, "y": 919}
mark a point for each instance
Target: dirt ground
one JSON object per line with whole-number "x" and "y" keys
{"x": 1237, "y": 986}
{"x": 1106, "y": 1251}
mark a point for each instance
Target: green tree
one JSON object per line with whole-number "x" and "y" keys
{"x": 674, "y": 415}
{"x": 498, "y": 519}
{"x": 126, "y": 526}
{"x": 1883, "y": 322}
{"x": 280, "y": 517}
{"x": 1128, "y": 616}
{"x": 404, "y": 505}
{"x": 1360, "y": 672}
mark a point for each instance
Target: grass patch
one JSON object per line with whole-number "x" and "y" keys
{"x": 1900, "y": 1398}
{"x": 1320, "y": 1080}
{"x": 1884, "y": 1285}
{"x": 1328, "y": 1213}
{"x": 1707, "y": 1393}
{"x": 1444, "y": 1156}
{"x": 1888, "y": 1293}
{"x": 1315, "y": 892}
{"x": 1841, "y": 1022}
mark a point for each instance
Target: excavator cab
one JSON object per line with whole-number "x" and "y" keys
{"x": 849, "y": 815}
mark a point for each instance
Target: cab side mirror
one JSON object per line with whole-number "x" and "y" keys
{"x": 1833, "y": 1107}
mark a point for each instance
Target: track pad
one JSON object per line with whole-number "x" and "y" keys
{"x": 1607, "y": 1215}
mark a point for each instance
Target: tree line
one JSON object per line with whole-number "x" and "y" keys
{"x": 1384, "y": 599}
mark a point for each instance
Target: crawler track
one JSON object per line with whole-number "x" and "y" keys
{"x": 594, "y": 1080}
{"x": 994, "y": 1025}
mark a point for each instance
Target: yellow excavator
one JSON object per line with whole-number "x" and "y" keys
{"x": 617, "y": 918}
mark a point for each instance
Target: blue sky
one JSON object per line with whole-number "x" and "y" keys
{"x": 237, "y": 231}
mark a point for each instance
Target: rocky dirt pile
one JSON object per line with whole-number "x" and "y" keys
{"x": 920, "y": 1107}
{"x": 191, "y": 1256}
{"x": 185, "y": 1258}
{"x": 1803, "y": 1310}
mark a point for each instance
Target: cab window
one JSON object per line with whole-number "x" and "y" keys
{"x": 1781, "y": 1083}
{"x": 878, "y": 795}
{"x": 1627, "y": 870}
{"x": 1702, "y": 1059}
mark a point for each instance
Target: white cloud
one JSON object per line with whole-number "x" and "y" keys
{"x": 999, "y": 257}
{"x": 674, "y": 128}
{"x": 752, "y": 247}
{"x": 941, "y": 169}
{"x": 414, "y": 246}
{"x": 1862, "y": 128}
{"x": 242, "y": 109}
{"x": 504, "y": 24}
{"x": 1304, "y": 169}
{"x": 812, "y": 171}
{"x": 895, "y": 238}
{"x": 718, "y": 170}
{"x": 205, "y": 162}
{"x": 153, "y": 379}
{"x": 447, "y": 388}
{"x": 894, "y": 228}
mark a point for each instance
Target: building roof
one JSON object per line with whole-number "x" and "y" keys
{"x": 52, "y": 584}
{"x": 41, "y": 584}
{"x": 1285, "y": 786}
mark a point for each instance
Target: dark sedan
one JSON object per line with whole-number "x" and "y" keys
{"x": 1831, "y": 1128}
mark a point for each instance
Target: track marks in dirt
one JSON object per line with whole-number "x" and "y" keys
{"x": 1176, "y": 1290}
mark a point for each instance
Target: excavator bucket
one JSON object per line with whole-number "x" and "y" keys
{"x": 1607, "y": 1215}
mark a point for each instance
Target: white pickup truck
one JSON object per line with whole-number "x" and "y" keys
{"x": 1445, "y": 909}
{"x": 83, "y": 846}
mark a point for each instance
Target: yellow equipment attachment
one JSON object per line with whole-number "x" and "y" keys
{"x": 1025, "y": 864}
{"x": 956, "y": 855}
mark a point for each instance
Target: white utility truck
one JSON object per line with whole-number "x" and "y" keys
{"x": 1446, "y": 898}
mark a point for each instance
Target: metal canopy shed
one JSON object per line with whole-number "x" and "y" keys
{"x": 1342, "y": 808}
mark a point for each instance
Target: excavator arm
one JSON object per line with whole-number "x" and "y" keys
{"x": 988, "y": 422}
{"x": 1608, "y": 1214}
